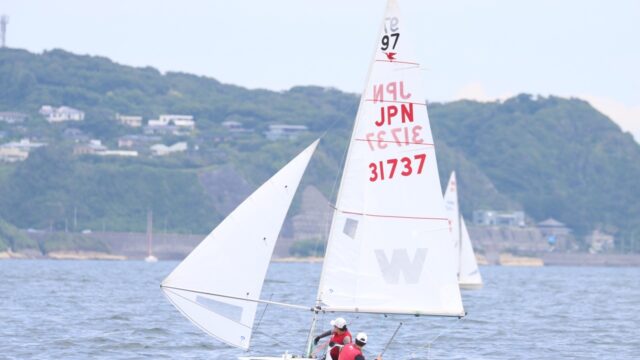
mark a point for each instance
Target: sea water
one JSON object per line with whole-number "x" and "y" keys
{"x": 116, "y": 310}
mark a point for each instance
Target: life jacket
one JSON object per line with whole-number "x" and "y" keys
{"x": 338, "y": 339}
{"x": 349, "y": 352}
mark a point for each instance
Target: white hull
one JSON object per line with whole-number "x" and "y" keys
{"x": 151, "y": 259}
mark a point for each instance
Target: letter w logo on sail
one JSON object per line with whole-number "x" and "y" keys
{"x": 400, "y": 263}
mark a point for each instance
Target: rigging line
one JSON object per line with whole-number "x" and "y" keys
{"x": 322, "y": 347}
{"x": 278, "y": 342}
{"x": 263, "y": 312}
{"x": 445, "y": 330}
{"x": 390, "y": 340}
{"x": 293, "y": 306}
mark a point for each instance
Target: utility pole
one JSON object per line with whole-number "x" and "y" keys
{"x": 4, "y": 20}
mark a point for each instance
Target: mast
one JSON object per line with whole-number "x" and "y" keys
{"x": 335, "y": 211}
{"x": 149, "y": 231}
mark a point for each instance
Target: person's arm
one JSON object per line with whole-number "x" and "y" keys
{"x": 324, "y": 334}
{"x": 347, "y": 340}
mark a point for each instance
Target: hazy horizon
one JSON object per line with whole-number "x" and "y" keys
{"x": 482, "y": 50}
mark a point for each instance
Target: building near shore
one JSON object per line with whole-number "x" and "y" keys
{"x": 558, "y": 235}
{"x": 499, "y": 218}
{"x": 600, "y": 242}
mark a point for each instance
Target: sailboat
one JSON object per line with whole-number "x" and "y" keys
{"x": 468, "y": 272}
{"x": 389, "y": 249}
{"x": 150, "y": 257}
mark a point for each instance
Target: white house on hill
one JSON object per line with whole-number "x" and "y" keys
{"x": 283, "y": 131}
{"x": 163, "y": 150}
{"x": 63, "y": 113}
{"x": 129, "y": 120}
{"x": 184, "y": 121}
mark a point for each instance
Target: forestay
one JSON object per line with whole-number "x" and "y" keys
{"x": 389, "y": 248}
{"x": 217, "y": 285}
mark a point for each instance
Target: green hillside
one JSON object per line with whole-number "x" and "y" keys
{"x": 550, "y": 157}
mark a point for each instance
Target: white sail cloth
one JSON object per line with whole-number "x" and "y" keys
{"x": 468, "y": 272}
{"x": 389, "y": 248}
{"x": 217, "y": 285}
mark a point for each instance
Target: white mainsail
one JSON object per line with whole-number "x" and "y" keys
{"x": 216, "y": 287}
{"x": 468, "y": 272}
{"x": 389, "y": 242}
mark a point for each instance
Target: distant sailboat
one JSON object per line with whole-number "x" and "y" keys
{"x": 150, "y": 258}
{"x": 389, "y": 249}
{"x": 468, "y": 272}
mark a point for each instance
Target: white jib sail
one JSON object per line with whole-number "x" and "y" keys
{"x": 468, "y": 272}
{"x": 389, "y": 242}
{"x": 232, "y": 260}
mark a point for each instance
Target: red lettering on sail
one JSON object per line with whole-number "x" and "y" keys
{"x": 378, "y": 93}
{"x": 389, "y": 112}
{"x": 394, "y": 90}
{"x": 407, "y": 166}
{"x": 399, "y": 136}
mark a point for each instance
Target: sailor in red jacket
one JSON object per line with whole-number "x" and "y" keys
{"x": 340, "y": 336}
{"x": 354, "y": 351}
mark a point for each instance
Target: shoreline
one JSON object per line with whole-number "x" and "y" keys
{"x": 62, "y": 255}
{"x": 505, "y": 259}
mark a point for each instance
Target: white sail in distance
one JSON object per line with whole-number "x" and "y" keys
{"x": 389, "y": 248}
{"x": 468, "y": 271}
{"x": 217, "y": 285}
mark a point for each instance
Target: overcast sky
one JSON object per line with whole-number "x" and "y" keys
{"x": 479, "y": 49}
